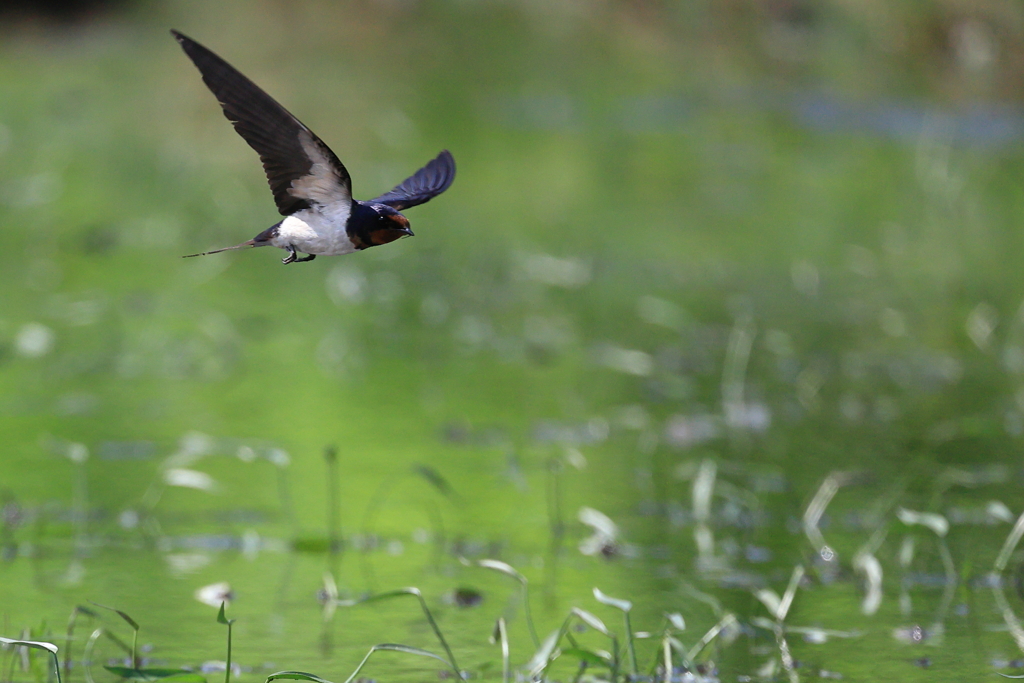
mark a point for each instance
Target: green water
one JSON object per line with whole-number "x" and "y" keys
{"x": 690, "y": 255}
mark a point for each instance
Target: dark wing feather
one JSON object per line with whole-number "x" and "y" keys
{"x": 300, "y": 168}
{"x": 422, "y": 186}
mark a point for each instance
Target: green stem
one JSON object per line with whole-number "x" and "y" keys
{"x": 135, "y": 642}
{"x": 227, "y": 665}
{"x": 632, "y": 647}
{"x": 333, "y": 517}
{"x": 437, "y": 631}
{"x": 506, "y": 669}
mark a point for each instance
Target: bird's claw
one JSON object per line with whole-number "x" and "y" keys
{"x": 292, "y": 257}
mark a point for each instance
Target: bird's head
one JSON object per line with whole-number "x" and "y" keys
{"x": 389, "y": 226}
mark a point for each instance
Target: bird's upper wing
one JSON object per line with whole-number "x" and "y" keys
{"x": 300, "y": 168}
{"x": 425, "y": 184}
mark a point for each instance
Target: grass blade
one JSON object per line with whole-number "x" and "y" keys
{"x": 543, "y": 656}
{"x": 769, "y": 599}
{"x": 72, "y": 622}
{"x": 90, "y": 644}
{"x": 503, "y": 567}
{"x": 393, "y": 647}
{"x": 135, "y": 631}
{"x": 434, "y": 478}
{"x": 934, "y": 521}
{"x": 676, "y": 620}
{"x": 591, "y": 621}
{"x": 509, "y": 570}
{"x": 123, "y": 615}
{"x": 426, "y": 611}
{"x": 712, "y": 633}
{"x": 221, "y": 619}
{"x": 787, "y": 598}
{"x": 500, "y": 635}
{"x": 1010, "y": 544}
{"x": 37, "y": 645}
{"x": 588, "y": 656}
{"x": 625, "y": 606}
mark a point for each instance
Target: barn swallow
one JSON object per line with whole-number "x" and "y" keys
{"x": 311, "y": 187}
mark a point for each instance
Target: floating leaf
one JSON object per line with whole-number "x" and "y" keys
{"x": 389, "y": 594}
{"x": 176, "y": 675}
{"x": 296, "y": 676}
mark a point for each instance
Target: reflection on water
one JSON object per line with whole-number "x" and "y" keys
{"x": 864, "y": 561}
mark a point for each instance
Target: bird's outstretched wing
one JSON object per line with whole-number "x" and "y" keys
{"x": 300, "y": 168}
{"x": 422, "y": 186}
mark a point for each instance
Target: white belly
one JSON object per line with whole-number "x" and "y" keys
{"x": 314, "y": 232}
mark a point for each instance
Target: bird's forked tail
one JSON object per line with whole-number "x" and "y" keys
{"x": 243, "y": 245}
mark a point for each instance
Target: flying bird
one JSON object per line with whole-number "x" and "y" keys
{"x": 311, "y": 187}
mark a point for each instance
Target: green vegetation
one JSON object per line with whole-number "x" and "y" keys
{"x": 720, "y": 290}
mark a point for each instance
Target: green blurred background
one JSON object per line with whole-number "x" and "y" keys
{"x": 736, "y": 245}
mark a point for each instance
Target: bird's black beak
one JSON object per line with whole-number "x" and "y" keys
{"x": 401, "y": 224}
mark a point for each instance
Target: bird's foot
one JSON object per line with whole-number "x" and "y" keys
{"x": 292, "y": 257}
